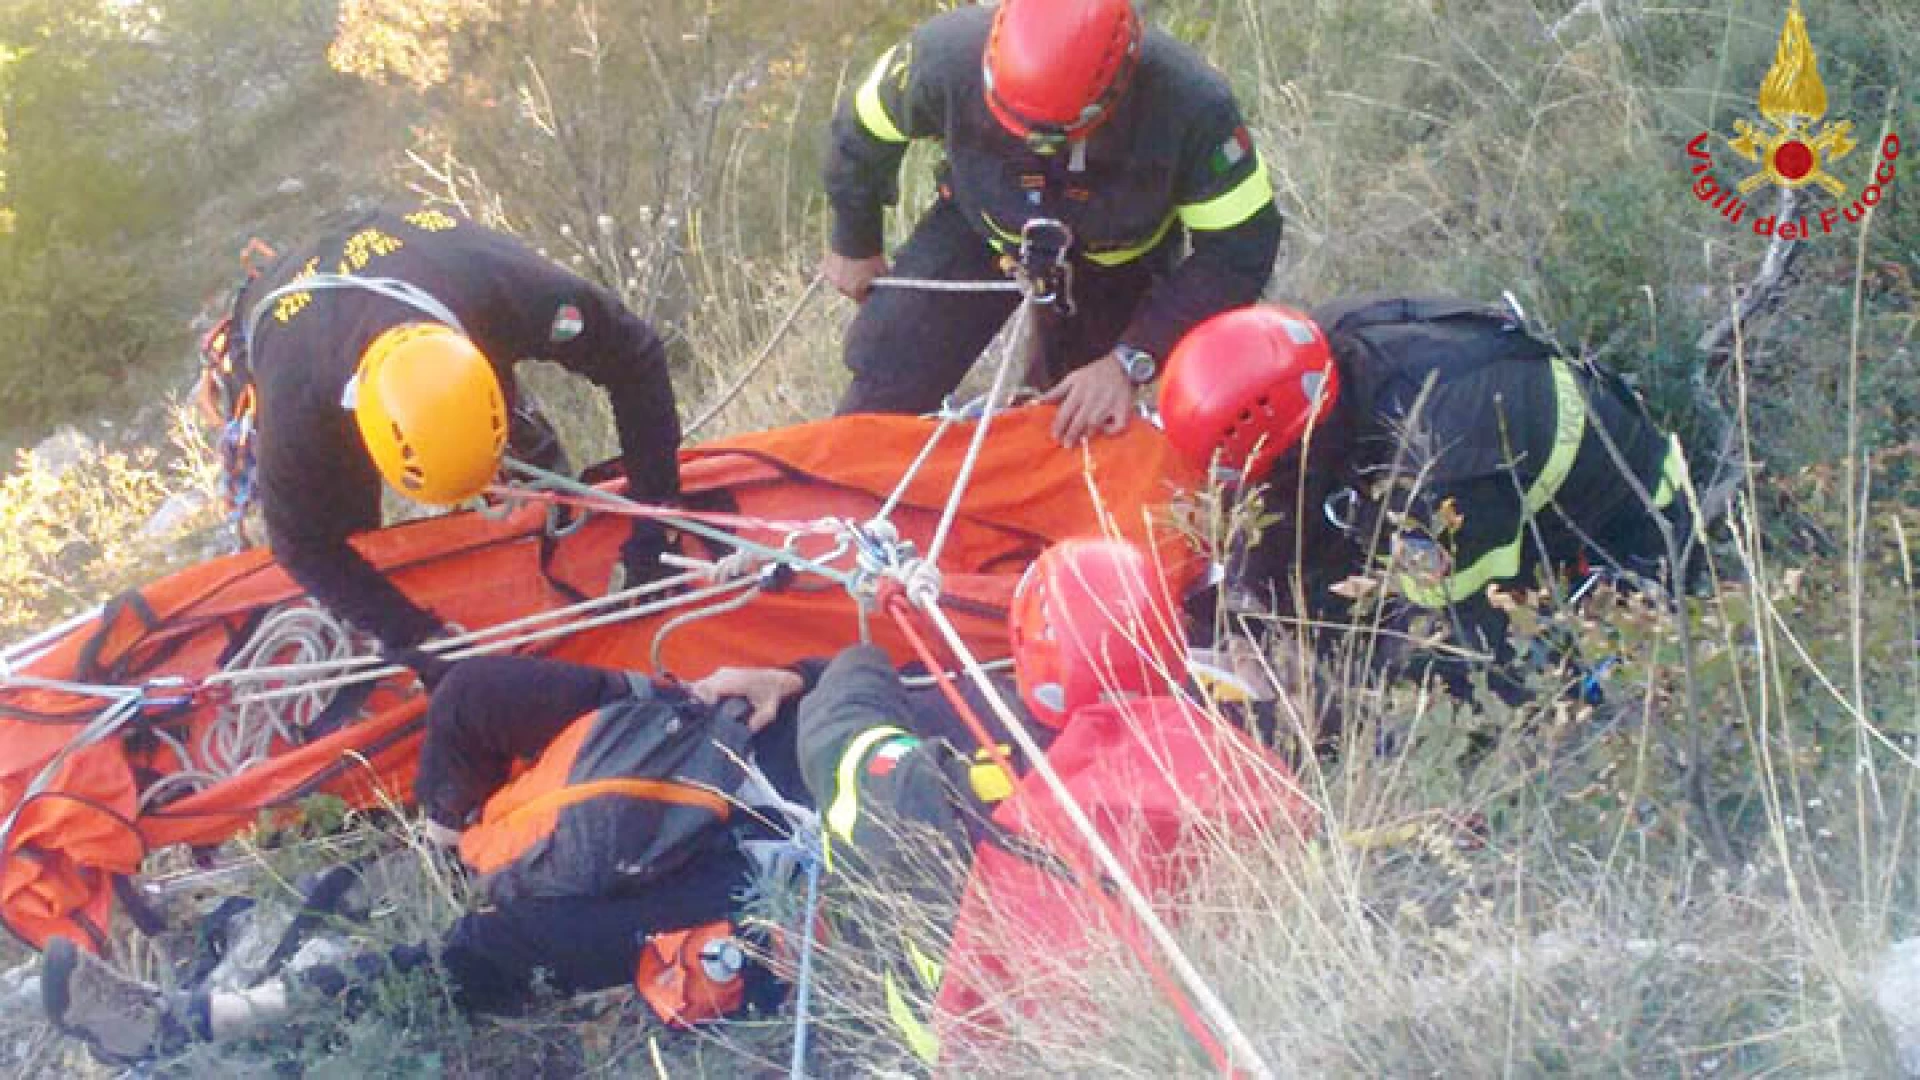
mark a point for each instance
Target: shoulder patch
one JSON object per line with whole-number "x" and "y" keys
{"x": 1231, "y": 152}
{"x": 889, "y": 755}
{"x": 567, "y": 324}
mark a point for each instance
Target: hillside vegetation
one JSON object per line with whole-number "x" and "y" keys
{"x": 1699, "y": 878}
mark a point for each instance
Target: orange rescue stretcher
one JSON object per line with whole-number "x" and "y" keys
{"x": 76, "y": 823}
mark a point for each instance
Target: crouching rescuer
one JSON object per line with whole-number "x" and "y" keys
{"x": 619, "y": 855}
{"x": 1431, "y": 443}
{"x": 997, "y": 905}
{"x": 385, "y": 350}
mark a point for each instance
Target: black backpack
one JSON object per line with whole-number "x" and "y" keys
{"x": 1389, "y": 346}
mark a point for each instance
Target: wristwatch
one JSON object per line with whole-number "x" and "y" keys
{"x": 1139, "y": 364}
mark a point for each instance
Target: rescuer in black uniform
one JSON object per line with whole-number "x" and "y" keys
{"x": 386, "y": 349}
{"x": 1431, "y": 442}
{"x": 1046, "y": 109}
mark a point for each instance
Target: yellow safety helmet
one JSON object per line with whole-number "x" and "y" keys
{"x": 431, "y": 412}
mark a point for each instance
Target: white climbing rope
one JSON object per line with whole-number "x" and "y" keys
{"x": 939, "y": 285}
{"x": 1015, "y": 344}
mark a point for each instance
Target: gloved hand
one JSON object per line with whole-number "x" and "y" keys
{"x": 429, "y": 667}
{"x": 640, "y": 562}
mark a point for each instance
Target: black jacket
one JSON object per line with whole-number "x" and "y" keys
{"x": 1174, "y": 159}
{"x": 1463, "y": 449}
{"x": 317, "y": 484}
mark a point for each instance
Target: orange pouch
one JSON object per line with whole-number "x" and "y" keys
{"x": 675, "y": 981}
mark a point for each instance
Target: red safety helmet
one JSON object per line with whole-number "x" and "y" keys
{"x": 1092, "y": 618}
{"x": 1242, "y": 388}
{"x": 1054, "y": 68}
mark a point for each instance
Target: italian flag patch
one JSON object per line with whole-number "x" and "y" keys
{"x": 567, "y": 324}
{"x": 885, "y": 758}
{"x": 1231, "y": 152}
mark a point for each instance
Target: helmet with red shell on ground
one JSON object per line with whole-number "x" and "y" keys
{"x": 1093, "y": 619}
{"x": 1243, "y": 388}
{"x": 1054, "y": 68}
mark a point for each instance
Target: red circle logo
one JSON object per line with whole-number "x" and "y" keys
{"x": 1793, "y": 160}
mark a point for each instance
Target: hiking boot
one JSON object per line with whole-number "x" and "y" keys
{"x": 123, "y": 1019}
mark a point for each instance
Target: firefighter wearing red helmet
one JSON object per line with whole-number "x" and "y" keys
{"x": 1063, "y": 110}
{"x": 1434, "y": 438}
{"x": 1100, "y": 668}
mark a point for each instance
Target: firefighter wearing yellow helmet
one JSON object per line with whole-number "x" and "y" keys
{"x": 384, "y": 350}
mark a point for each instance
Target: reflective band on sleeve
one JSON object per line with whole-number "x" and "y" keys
{"x": 1570, "y": 427}
{"x": 920, "y": 1038}
{"x": 845, "y": 811}
{"x": 866, "y": 103}
{"x": 1233, "y": 206}
{"x": 1673, "y": 474}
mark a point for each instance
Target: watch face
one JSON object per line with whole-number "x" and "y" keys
{"x": 1137, "y": 363}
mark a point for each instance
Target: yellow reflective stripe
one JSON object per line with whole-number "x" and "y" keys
{"x": 1006, "y": 243}
{"x": 866, "y": 104}
{"x": 920, "y": 1038}
{"x": 1673, "y": 474}
{"x": 1501, "y": 562}
{"x": 927, "y": 968}
{"x": 845, "y": 810}
{"x": 1116, "y": 256}
{"x": 1003, "y": 241}
{"x": 1570, "y": 427}
{"x": 1233, "y": 206}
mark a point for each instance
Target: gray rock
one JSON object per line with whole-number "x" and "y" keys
{"x": 64, "y": 449}
{"x": 292, "y": 185}
{"x": 173, "y": 515}
{"x": 20, "y": 989}
{"x": 1896, "y": 989}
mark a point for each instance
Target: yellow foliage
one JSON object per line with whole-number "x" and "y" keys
{"x": 70, "y": 536}
{"x": 408, "y": 41}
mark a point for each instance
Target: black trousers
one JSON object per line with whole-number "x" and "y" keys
{"x": 496, "y": 957}
{"x": 909, "y": 348}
